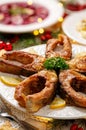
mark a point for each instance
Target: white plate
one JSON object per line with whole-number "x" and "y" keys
{"x": 69, "y": 26}
{"x": 55, "y": 11}
{"x": 67, "y": 112}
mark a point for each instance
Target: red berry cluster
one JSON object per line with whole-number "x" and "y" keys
{"x": 75, "y": 127}
{"x": 47, "y": 35}
{"x": 6, "y": 45}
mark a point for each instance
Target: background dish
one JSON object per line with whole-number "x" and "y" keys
{"x": 72, "y": 112}
{"x": 69, "y": 26}
{"x": 14, "y": 124}
{"x": 55, "y": 11}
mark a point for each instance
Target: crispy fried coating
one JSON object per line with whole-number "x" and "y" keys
{"x": 37, "y": 90}
{"x": 21, "y": 63}
{"x": 78, "y": 63}
{"x": 60, "y": 47}
{"x": 73, "y": 87}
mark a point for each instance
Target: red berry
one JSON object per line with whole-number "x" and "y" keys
{"x": 80, "y": 128}
{"x": 48, "y": 36}
{"x": 8, "y": 47}
{"x": 74, "y": 127}
{"x": 43, "y": 38}
{"x": 2, "y": 45}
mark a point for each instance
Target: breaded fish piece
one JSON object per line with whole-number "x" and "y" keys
{"x": 78, "y": 63}
{"x": 37, "y": 90}
{"x": 73, "y": 87}
{"x": 21, "y": 63}
{"x": 60, "y": 47}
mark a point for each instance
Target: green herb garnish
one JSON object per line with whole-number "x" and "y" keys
{"x": 55, "y": 63}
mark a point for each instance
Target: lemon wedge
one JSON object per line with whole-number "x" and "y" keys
{"x": 10, "y": 81}
{"x": 57, "y": 103}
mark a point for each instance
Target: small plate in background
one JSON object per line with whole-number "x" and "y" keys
{"x": 69, "y": 26}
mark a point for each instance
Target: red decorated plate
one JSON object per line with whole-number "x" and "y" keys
{"x": 19, "y": 16}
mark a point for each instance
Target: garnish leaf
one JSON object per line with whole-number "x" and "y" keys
{"x": 55, "y": 63}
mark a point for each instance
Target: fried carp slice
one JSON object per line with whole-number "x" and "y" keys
{"x": 21, "y": 63}
{"x": 37, "y": 90}
{"x": 73, "y": 87}
{"x": 60, "y": 47}
{"x": 78, "y": 63}
{"x": 11, "y": 67}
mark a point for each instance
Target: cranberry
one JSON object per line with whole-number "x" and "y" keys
{"x": 43, "y": 38}
{"x": 2, "y": 45}
{"x": 74, "y": 127}
{"x": 8, "y": 47}
{"x": 48, "y": 36}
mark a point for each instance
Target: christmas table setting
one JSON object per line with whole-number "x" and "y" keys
{"x": 46, "y": 20}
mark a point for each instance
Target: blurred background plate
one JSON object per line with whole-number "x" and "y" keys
{"x": 13, "y": 123}
{"x": 55, "y": 10}
{"x": 69, "y": 26}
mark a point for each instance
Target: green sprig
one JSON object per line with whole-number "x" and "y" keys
{"x": 55, "y": 63}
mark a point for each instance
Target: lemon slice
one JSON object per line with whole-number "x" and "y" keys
{"x": 11, "y": 81}
{"x": 57, "y": 103}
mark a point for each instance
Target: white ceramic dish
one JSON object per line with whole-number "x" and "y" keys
{"x": 55, "y": 11}
{"x": 72, "y": 112}
{"x": 70, "y": 23}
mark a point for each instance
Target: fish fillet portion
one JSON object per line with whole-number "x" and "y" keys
{"x": 60, "y": 47}
{"x": 73, "y": 87}
{"x": 37, "y": 90}
{"x": 78, "y": 63}
{"x": 21, "y": 63}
